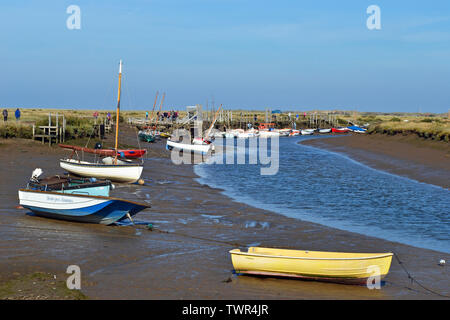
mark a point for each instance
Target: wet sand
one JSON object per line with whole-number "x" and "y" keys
{"x": 187, "y": 256}
{"x": 408, "y": 156}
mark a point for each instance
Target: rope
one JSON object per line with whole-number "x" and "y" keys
{"x": 139, "y": 144}
{"x": 414, "y": 280}
{"x": 234, "y": 244}
{"x": 87, "y": 143}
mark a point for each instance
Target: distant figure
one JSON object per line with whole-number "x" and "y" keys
{"x": 146, "y": 115}
{"x": 17, "y": 114}
{"x": 95, "y": 115}
{"x": 5, "y": 115}
{"x": 108, "y": 116}
{"x": 304, "y": 115}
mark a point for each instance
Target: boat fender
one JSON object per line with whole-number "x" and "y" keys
{"x": 122, "y": 154}
{"x": 112, "y": 186}
{"x": 442, "y": 262}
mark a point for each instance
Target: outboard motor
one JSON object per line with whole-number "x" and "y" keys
{"x": 36, "y": 174}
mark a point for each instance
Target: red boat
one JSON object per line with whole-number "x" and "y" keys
{"x": 128, "y": 153}
{"x": 136, "y": 153}
{"x": 340, "y": 130}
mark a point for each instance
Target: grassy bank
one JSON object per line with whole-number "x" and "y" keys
{"x": 38, "y": 286}
{"x": 438, "y": 130}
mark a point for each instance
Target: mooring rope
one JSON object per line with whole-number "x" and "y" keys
{"x": 414, "y": 279}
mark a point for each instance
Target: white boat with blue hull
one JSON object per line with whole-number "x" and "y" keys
{"x": 79, "y": 207}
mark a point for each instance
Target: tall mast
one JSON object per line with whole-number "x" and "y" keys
{"x": 160, "y": 108}
{"x": 212, "y": 123}
{"x": 118, "y": 110}
{"x": 154, "y": 105}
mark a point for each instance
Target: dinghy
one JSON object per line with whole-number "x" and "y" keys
{"x": 185, "y": 147}
{"x": 324, "y": 130}
{"x": 351, "y": 268}
{"x": 307, "y": 132}
{"x": 268, "y": 134}
{"x": 357, "y": 129}
{"x": 79, "y": 207}
{"x": 120, "y": 172}
{"x": 340, "y": 130}
{"x": 146, "y": 136}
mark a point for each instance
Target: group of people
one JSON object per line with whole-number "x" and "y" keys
{"x": 165, "y": 115}
{"x": 16, "y": 113}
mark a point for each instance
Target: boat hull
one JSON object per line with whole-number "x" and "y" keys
{"x": 351, "y": 268}
{"x": 344, "y": 130}
{"x": 146, "y": 137}
{"x": 79, "y": 208}
{"x": 121, "y": 173}
{"x": 131, "y": 154}
{"x": 196, "y": 148}
{"x": 269, "y": 134}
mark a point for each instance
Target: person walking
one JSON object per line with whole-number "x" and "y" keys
{"x": 17, "y": 114}
{"x": 5, "y": 115}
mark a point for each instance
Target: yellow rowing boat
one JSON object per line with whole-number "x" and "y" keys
{"x": 317, "y": 265}
{"x": 164, "y": 135}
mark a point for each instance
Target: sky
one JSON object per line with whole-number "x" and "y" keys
{"x": 244, "y": 54}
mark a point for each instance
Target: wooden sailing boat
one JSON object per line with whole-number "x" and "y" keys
{"x": 110, "y": 168}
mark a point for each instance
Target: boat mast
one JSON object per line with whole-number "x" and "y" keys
{"x": 153, "y": 111}
{"x": 212, "y": 123}
{"x": 118, "y": 111}
{"x": 160, "y": 108}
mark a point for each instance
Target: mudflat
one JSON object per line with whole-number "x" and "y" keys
{"x": 186, "y": 255}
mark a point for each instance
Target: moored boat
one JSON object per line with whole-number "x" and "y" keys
{"x": 340, "y": 130}
{"x": 357, "y": 129}
{"x": 307, "y": 132}
{"x": 324, "y": 130}
{"x": 268, "y": 134}
{"x": 146, "y": 136}
{"x": 120, "y": 172}
{"x": 185, "y": 147}
{"x": 79, "y": 207}
{"x": 352, "y": 268}
{"x": 69, "y": 185}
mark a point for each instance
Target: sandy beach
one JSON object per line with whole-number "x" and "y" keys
{"x": 186, "y": 256}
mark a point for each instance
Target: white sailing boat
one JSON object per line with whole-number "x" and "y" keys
{"x": 110, "y": 168}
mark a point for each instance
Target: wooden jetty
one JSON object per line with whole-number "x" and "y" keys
{"x": 52, "y": 131}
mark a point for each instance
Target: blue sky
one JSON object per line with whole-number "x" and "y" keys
{"x": 246, "y": 54}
